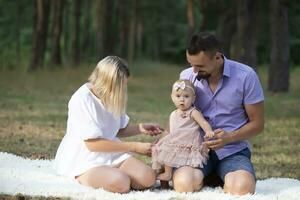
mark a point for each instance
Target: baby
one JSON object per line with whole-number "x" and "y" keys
{"x": 183, "y": 145}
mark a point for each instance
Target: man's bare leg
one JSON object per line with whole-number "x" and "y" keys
{"x": 187, "y": 179}
{"x": 239, "y": 182}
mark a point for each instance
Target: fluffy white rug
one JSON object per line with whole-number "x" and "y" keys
{"x": 38, "y": 178}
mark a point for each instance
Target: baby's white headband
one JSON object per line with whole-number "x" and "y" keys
{"x": 181, "y": 85}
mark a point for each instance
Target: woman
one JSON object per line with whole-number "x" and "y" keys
{"x": 91, "y": 151}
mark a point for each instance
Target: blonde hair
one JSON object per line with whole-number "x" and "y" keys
{"x": 109, "y": 81}
{"x": 183, "y": 85}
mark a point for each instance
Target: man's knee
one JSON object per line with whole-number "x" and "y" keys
{"x": 183, "y": 184}
{"x": 239, "y": 183}
{"x": 187, "y": 180}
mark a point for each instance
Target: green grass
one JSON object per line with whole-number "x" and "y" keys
{"x": 33, "y": 113}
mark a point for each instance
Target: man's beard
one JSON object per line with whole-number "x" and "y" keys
{"x": 202, "y": 76}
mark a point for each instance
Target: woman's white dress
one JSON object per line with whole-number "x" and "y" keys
{"x": 87, "y": 119}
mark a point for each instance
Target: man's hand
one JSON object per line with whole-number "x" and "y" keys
{"x": 220, "y": 139}
{"x": 150, "y": 129}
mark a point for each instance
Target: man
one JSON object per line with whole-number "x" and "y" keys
{"x": 231, "y": 98}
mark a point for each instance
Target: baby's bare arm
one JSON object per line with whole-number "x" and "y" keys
{"x": 198, "y": 117}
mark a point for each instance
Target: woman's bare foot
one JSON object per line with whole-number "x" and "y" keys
{"x": 166, "y": 176}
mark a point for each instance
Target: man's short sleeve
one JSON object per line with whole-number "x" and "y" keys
{"x": 81, "y": 120}
{"x": 253, "y": 92}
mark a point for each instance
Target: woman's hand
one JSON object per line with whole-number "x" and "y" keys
{"x": 150, "y": 129}
{"x": 142, "y": 148}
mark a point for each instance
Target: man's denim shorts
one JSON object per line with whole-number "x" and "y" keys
{"x": 237, "y": 161}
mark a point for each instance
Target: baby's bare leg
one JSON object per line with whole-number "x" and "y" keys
{"x": 166, "y": 175}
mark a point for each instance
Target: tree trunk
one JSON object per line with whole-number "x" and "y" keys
{"x": 246, "y": 32}
{"x": 99, "y": 26}
{"x": 75, "y": 36}
{"x": 132, "y": 32}
{"x": 122, "y": 26}
{"x": 67, "y": 31}
{"x": 139, "y": 32}
{"x": 57, "y": 7}
{"x": 18, "y": 31}
{"x": 139, "y": 38}
{"x": 40, "y": 35}
{"x": 203, "y": 8}
{"x": 86, "y": 41}
{"x": 190, "y": 17}
{"x": 226, "y": 28}
{"x": 279, "y": 67}
{"x": 108, "y": 28}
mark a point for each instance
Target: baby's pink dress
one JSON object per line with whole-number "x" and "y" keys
{"x": 182, "y": 146}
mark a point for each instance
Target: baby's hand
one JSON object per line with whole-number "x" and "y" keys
{"x": 209, "y": 134}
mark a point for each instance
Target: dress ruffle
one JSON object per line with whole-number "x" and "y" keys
{"x": 177, "y": 155}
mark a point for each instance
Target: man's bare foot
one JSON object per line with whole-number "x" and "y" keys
{"x": 166, "y": 176}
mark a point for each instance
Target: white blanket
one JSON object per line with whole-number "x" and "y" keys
{"x": 38, "y": 178}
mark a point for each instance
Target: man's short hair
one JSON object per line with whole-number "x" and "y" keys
{"x": 204, "y": 41}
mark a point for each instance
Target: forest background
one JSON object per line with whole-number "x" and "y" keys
{"x": 48, "y": 49}
{"x": 38, "y": 34}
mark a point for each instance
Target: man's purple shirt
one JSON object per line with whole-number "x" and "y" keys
{"x": 224, "y": 108}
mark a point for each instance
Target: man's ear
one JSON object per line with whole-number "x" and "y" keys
{"x": 218, "y": 55}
